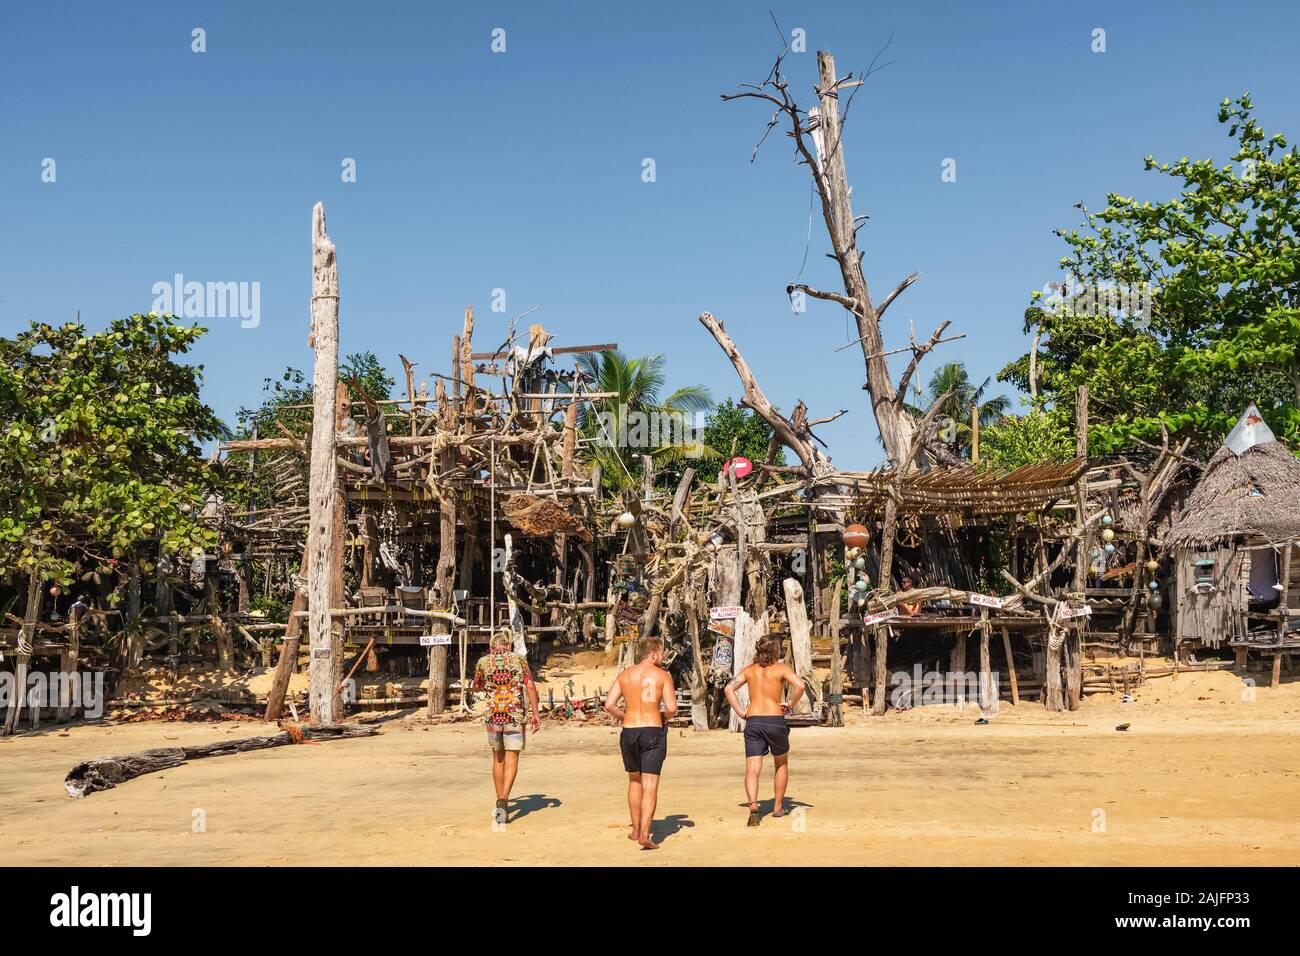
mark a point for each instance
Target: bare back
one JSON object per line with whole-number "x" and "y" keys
{"x": 643, "y": 686}
{"x": 765, "y": 687}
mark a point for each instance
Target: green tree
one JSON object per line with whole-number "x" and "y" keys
{"x": 640, "y": 420}
{"x": 954, "y": 426}
{"x": 100, "y": 446}
{"x": 288, "y": 401}
{"x": 1015, "y": 440}
{"x": 1182, "y": 311}
{"x": 727, "y": 424}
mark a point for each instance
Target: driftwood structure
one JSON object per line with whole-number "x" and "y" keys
{"x": 401, "y": 533}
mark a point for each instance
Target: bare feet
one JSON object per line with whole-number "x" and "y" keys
{"x": 634, "y": 837}
{"x": 647, "y": 843}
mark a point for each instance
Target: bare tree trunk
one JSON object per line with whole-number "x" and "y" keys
{"x": 324, "y": 474}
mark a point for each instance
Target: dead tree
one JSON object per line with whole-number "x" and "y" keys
{"x": 324, "y": 694}
{"x": 818, "y": 142}
{"x": 795, "y": 433}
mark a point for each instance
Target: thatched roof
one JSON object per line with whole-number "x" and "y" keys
{"x": 1254, "y": 493}
{"x": 944, "y": 490}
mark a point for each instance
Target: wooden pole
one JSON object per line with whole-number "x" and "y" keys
{"x": 986, "y": 696}
{"x": 445, "y": 572}
{"x": 68, "y": 667}
{"x": 886, "y": 583}
{"x": 338, "y": 543}
{"x": 796, "y": 613}
{"x": 324, "y": 473}
{"x": 837, "y": 665}
{"x": 1072, "y": 656}
{"x": 31, "y": 616}
{"x": 1011, "y": 667}
{"x": 974, "y": 434}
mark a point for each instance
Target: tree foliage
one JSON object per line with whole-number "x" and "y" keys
{"x": 640, "y": 420}
{"x": 1015, "y": 440}
{"x": 100, "y": 437}
{"x": 288, "y": 401}
{"x": 955, "y": 412}
{"x": 1209, "y": 300}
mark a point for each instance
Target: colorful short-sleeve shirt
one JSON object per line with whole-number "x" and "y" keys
{"x": 506, "y": 678}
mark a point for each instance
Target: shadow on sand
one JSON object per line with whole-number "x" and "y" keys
{"x": 520, "y": 807}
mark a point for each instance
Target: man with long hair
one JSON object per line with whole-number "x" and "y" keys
{"x": 644, "y": 739}
{"x": 766, "y": 730}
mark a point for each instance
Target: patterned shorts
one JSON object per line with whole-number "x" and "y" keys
{"x": 505, "y": 738}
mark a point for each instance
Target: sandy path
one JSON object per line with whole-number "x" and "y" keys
{"x": 1201, "y": 778}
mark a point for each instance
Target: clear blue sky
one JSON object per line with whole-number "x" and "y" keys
{"x": 522, "y": 170}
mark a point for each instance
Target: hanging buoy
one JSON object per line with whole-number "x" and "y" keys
{"x": 1155, "y": 601}
{"x": 859, "y": 563}
{"x": 1109, "y": 548}
{"x": 1107, "y": 519}
{"x": 1153, "y": 565}
{"x": 1153, "y": 585}
{"x": 856, "y": 536}
{"x": 626, "y": 520}
{"x": 862, "y": 584}
{"x": 1108, "y": 535}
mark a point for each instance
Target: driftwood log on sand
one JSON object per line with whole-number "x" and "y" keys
{"x": 105, "y": 773}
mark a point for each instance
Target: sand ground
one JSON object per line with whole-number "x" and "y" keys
{"x": 1204, "y": 775}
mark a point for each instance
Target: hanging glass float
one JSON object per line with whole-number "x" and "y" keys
{"x": 1108, "y": 535}
{"x": 1153, "y": 565}
{"x": 859, "y": 562}
{"x": 1107, "y": 519}
{"x": 856, "y": 536}
{"x": 861, "y": 584}
{"x": 1108, "y": 548}
{"x": 1153, "y": 585}
{"x": 1155, "y": 601}
{"x": 626, "y": 520}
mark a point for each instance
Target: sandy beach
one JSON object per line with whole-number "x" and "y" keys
{"x": 1202, "y": 776}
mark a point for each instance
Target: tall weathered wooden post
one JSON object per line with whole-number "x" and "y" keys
{"x": 323, "y": 688}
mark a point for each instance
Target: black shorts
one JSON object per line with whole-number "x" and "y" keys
{"x": 644, "y": 749}
{"x": 764, "y": 735}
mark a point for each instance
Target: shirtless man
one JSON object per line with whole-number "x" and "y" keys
{"x": 765, "y": 728}
{"x": 644, "y": 740}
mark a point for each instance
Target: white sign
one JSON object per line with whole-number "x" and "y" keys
{"x": 434, "y": 640}
{"x": 985, "y": 600}
{"x": 882, "y": 616}
{"x": 1069, "y": 612}
{"x": 728, "y": 613}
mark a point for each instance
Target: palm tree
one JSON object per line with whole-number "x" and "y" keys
{"x": 955, "y": 412}
{"x": 639, "y": 421}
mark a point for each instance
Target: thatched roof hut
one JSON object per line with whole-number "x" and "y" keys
{"x": 1233, "y": 544}
{"x": 1255, "y": 493}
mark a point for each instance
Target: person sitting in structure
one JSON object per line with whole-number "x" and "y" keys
{"x": 909, "y": 608}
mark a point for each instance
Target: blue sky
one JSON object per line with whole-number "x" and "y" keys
{"x": 522, "y": 170}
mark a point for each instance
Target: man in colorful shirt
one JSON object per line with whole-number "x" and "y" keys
{"x": 506, "y": 678}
